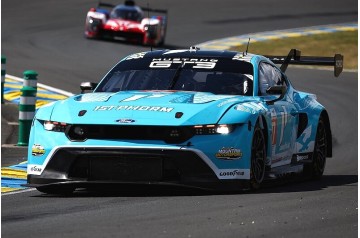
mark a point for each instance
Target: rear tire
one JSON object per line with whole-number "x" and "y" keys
{"x": 316, "y": 168}
{"x": 258, "y": 157}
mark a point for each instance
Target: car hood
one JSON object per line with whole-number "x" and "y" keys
{"x": 144, "y": 108}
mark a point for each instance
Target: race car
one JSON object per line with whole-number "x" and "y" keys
{"x": 126, "y": 22}
{"x": 218, "y": 120}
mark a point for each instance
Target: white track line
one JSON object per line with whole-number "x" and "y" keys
{"x": 55, "y": 90}
{"x": 19, "y": 191}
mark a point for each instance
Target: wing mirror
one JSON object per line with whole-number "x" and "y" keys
{"x": 84, "y": 86}
{"x": 276, "y": 90}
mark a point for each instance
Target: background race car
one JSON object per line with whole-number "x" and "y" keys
{"x": 221, "y": 120}
{"x": 127, "y": 22}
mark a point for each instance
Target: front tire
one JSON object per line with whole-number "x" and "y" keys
{"x": 258, "y": 157}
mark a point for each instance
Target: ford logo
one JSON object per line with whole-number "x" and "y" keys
{"x": 126, "y": 120}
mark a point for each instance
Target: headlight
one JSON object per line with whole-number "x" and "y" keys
{"x": 213, "y": 129}
{"x": 54, "y": 126}
{"x": 223, "y": 129}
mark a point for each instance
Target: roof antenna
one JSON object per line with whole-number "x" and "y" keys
{"x": 247, "y": 47}
{"x": 148, "y": 13}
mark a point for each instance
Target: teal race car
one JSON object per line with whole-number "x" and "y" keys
{"x": 219, "y": 120}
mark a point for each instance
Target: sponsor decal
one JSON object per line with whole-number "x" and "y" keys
{"x": 94, "y": 97}
{"x": 284, "y": 122}
{"x": 273, "y": 126}
{"x": 174, "y": 51}
{"x": 301, "y": 157}
{"x": 136, "y": 56}
{"x": 238, "y": 56}
{"x": 205, "y": 97}
{"x": 245, "y": 108}
{"x": 196, "y": 63}
{"x": 229, "y": 153}
{"x": 273, "y": 129}
{"x": 233, "y": 173}
{"x": 137, "y": 97}
{"x": 37, "y": 150}
{"x": 134, "y": 108}
{"x": 227, "y": 101}
{"x": 251, "y": 107}
{"x": 241, "y": 56}
{"x": 35, "y": 169}
{"x": 125, "y": 120}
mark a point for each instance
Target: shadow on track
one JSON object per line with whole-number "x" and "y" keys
{"x": 284, "y": 185}
{"x": 146, "y": 47}
{"x": 299, "y": 184}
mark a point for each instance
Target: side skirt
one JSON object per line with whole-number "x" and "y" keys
{"x": 295, "y": 167}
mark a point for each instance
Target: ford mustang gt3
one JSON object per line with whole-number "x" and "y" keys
{"x": 220, "y": 120}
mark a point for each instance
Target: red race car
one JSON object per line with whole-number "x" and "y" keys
{"x": 127, "y": 22}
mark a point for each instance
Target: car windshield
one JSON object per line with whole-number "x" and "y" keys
{"x": 220, "y": 77}
{"x": 126, "y": 14}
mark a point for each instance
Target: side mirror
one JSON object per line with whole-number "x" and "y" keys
{"x": 276, "y": 90}
{"x": 87, "y": 86}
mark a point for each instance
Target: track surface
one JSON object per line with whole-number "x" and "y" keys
{"x": 47, "y": 36}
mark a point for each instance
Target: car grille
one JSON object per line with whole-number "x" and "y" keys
{"x": 168, "y": 134}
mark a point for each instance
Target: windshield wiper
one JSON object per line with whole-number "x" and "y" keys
{"x": 176, "y": 75}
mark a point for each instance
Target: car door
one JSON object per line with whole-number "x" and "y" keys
{"x": 283, "y": 115}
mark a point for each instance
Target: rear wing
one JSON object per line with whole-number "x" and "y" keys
{"x": 132, "y": 3}
{"x": 294, "y": 57}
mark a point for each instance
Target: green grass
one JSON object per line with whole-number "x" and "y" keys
{"x": 327, "y": 44}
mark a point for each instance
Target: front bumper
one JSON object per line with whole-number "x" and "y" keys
{"x": 83, "y": 167}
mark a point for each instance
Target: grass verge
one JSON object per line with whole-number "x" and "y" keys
{"x": 326, "y": 44}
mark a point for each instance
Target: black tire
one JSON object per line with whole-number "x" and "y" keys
{"x": 56, "y": 190}
{"x": 258, "y": 158}
{"x": 316, "y": 168}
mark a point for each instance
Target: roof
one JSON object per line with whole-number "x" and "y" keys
{"x": 192, "y": 52}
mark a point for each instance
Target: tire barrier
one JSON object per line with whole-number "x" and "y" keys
{"x": 3, "y": 72}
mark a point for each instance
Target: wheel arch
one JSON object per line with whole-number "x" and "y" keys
{"x": 325, "y": 117}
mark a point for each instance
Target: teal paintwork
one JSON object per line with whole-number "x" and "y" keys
{"x": 279, "y": 121}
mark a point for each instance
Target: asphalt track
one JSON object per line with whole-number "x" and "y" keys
{"x": 47, "y": 36}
